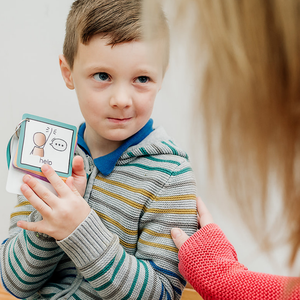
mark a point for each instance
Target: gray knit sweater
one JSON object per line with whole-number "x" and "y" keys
{"x": 123, "y": 250}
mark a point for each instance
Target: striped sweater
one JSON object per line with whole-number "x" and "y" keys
{"x": 123, "y": 250}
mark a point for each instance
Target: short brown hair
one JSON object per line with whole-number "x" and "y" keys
{"x": 118, "y": 20}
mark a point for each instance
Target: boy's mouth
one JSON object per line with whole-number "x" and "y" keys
{"x": 119, "y": 120}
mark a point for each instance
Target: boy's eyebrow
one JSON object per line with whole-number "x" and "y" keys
{"x": 105, "y": 68}
{"x": 97, "y": 68}
{"x": 146, "y": 71}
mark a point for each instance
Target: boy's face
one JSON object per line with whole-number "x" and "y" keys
{"x": 116, "y": 87}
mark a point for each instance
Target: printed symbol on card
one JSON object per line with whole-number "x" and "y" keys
{"x": 59, "y": 144}
{"x": 39, "y": 140}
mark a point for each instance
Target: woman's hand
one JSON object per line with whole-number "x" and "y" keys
{"x": 204, "y": 218}
{"x": 61, "y": 214}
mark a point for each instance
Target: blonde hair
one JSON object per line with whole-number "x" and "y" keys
{"x": 250, "y": 98}
{"x": 117, "y": 20}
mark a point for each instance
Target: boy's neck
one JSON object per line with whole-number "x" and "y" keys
{"x": 99, "y": 147}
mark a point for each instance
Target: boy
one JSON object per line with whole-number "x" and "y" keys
{"x": 114, "y": 242}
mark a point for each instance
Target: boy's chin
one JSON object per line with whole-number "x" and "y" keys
{"x": 120, "y": 136}
{"x": 119, "y": 139}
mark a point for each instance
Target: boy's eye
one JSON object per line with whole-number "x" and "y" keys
{"x": 101, "y": 76}
{"x": 142, "y": 79}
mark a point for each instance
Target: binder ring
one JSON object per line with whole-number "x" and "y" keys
{"x": 18, "y": 127}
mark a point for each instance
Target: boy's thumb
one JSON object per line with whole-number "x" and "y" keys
{"x": 179, "y": 237}
{"x": 78, "y": 166}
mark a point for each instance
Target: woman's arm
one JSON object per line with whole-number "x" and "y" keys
{"x": 209, "y": 262}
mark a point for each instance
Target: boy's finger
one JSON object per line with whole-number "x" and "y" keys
{"x": 31, "y": 226}
{"x": 58, "y": 184}
{"x": 40, "y": 200}
{"x": 78, "y": 166}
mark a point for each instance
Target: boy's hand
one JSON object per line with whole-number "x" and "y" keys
{"x": 204, "y": 218}
{"x": 61, "y": 214}
{"x": 79, "y": 175}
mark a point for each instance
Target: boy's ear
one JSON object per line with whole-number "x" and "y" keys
{"x": 66, "y": 72}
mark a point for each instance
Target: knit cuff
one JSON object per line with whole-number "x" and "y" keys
{"x": 209, "y": 237}
{"x": 88, "y": 241}
{"x": 200, "y": 236}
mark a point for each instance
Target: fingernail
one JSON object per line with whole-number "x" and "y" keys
{"x": 26, "y": 178}
{"x": 45, "y": 168}
{"x": 176, "y": 232}
{"x": 24, "y": 187}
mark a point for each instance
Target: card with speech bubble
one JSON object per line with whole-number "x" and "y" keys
{"x": 44, "y": 141}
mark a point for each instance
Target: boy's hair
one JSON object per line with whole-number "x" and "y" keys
{"x": 118, "y": 20}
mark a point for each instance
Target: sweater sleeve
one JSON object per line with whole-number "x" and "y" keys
{"x": 209, "y": 262}
{"x": 152, "y": 272}
{"x": 27, "y": 258}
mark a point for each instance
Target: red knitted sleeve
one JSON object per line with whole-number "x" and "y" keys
{"x": 209, "y": 263}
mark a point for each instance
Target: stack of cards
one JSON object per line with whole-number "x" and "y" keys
{"x": 43, "y": 141}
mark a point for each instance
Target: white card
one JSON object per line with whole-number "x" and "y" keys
{"x": 15, "y": 176}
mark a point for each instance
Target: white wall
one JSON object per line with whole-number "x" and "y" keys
{"x": 32, "y": 34}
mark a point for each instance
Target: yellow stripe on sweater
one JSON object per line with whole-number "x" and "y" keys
{"x": 20, "y": 213}
{"x": 121, "y": 198}
{"x": 117, "y": 224}
{"x": 127, "y": 187}
{"x": 127, "y": 245}
{"x": 23, "y": 204}
{"x": 173, "y": 249}
{"x": 154, "y": 233}
{"x": 147, "y": 193}
{"x": 177, "y": 198}
{"x": 172, "y": 211}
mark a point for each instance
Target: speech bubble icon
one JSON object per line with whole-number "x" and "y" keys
{"x": 59, "y": 144}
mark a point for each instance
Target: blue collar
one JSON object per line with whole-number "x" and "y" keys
{"x": 105, "y": 164}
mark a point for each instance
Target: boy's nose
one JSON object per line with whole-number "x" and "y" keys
{"x": 121, "y": 98}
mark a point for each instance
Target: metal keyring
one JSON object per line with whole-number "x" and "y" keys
{"x": 8, "y": 153}
{"x": 18, "y": 127}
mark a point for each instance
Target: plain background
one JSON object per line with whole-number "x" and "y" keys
{"x": 32, "y": 34}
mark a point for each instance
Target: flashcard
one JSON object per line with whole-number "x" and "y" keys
{"x": 44, "y": 141}
{"x": 15, "y": 176}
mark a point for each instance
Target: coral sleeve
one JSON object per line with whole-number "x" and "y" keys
{"x": 209, "y": 262}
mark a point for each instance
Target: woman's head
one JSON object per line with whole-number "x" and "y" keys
{"x": 251, "y": 94}
{"x": 250, "y": 97}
